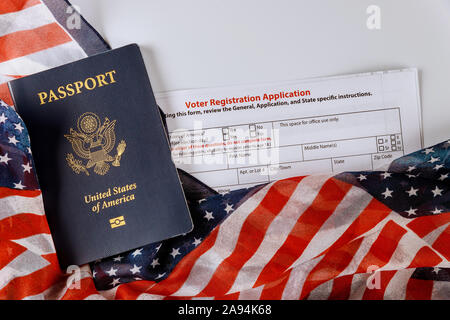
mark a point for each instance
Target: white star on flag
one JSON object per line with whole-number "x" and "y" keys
{"x": 27, "y": 167}
{"x": 362, "y": 177}
{"x": 175, "y": 252}
{"x": 386, "y": 175}
{"x": 429, "y": 150}
{"x": 4, "y": 159}
{"x": 228, "y": 208}
{"x": 136, "y": 269}
{"x": 436, "y": 270}
{"x": 433, "y": 159}
{"x": 443, "y": 177}
{"x": 411, "y": 211}
{"x": 3, "y": 118}
{"x": 411, "y": 168}
{"x": 136, "y": 252}
{"x": 19, "y": 185}
{"x": 13, "y": 140}
{"x": 18, "y": 127}
{"x": 118, "y": 258}
{"x": 154, "y": 263}
{"x": 437, "y": 192}
{"x": 208, "y": 215}
{"x": 196, "y": 242}
{"x": 436, "y": 211}
{"x": 387, "y": 193}
{"x": 115, "y": 282}
{"x": 412, "y": 192}
{"x": 112, "y": 272}
{"x": 438, "y": 166}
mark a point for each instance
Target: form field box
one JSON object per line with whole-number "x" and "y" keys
{"x": 353, "y": 163}
{"x": 287, "y": 170}
{"x": 333, "y": 149}
{"x": 253, "y": 175}
{"x": 218, "y": 178}
{"x": 339, "y": 126}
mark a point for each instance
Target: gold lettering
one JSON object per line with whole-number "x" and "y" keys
{"x": 70, "y": 89}
{"x": 42, "y": 96}
{"x": 78, "y": 86}
{"x": 52, "y": 96}
{"x": 94, "y": 83}
{"x": 62, "y": 92}
{"x": 111, "y": 77}
{"x": 101, "y": 80}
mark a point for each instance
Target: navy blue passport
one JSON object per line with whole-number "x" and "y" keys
{"x": 102, "y": 157}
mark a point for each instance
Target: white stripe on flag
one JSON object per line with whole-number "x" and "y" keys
{"x": 24, "y": 264}
{"x": 14, "y": 205}
{"x": 43, "y": 60}
{"x": 26, "y": 19}
{"x": 362, "y": 251}
{"x": 4, "y": 78}
{"x": 433, "y": 235}
{"x": 227, "y": 237}
{"x": 39, "y": 243}
{"x": 351, "y": 206}
{"x": 251, "y": 294}
{"x": 359, "y": 286}
{"x": 278, "y": 231}
{"x": 322, "y": 292}
{"x": 396, "y": 288}
{"x": 441, "y": 290}
{"x": 297, "y": 278}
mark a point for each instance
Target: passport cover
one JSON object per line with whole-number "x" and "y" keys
{"x": 102, "y": 156}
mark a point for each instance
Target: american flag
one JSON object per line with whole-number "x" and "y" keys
{"x": 356, "y": 235}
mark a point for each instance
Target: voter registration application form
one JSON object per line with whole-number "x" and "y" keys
{"x": 237, "y": 137}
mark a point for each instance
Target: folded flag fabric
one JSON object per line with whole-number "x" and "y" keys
{"x": 356, "y": 235}
{"x": 36, "y": 35}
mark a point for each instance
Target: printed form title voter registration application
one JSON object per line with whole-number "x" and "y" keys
{"x": 236, "y": 137}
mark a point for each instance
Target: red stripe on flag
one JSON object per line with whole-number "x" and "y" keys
{"x": 442, "y": 243}
{"x": 383, "y": 248}
{"x": 181, "y": 272}
{"x": 9, "y": 251}
{"x": 306, "y": 227}
{"x": 373, "y": 214}
{"x": 274, "y": 291}
{"x": 22, "y": 226}
{"x": 378, "y": 293}
{"x": 417, "y": 289}
{"x": 342, "y": 287}
{"x": 426, "y": 224}
{"x": 250, "y": 237}
{"x": 8, "y": 192}
{"x": 425, "y": 257}
{"x": 22, "y": 43}
{"x": 132, "y": 290}
{"x": 5, "y": 94}
{"x": 34, "y": 283}
{"x": 332, "y": 264}
{"x": 8, "y": 6}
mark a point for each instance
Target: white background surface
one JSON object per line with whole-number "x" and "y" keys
{"x": 208, "y": 43}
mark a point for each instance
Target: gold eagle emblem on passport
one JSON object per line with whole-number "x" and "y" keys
{"x": 94, "y": 141}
